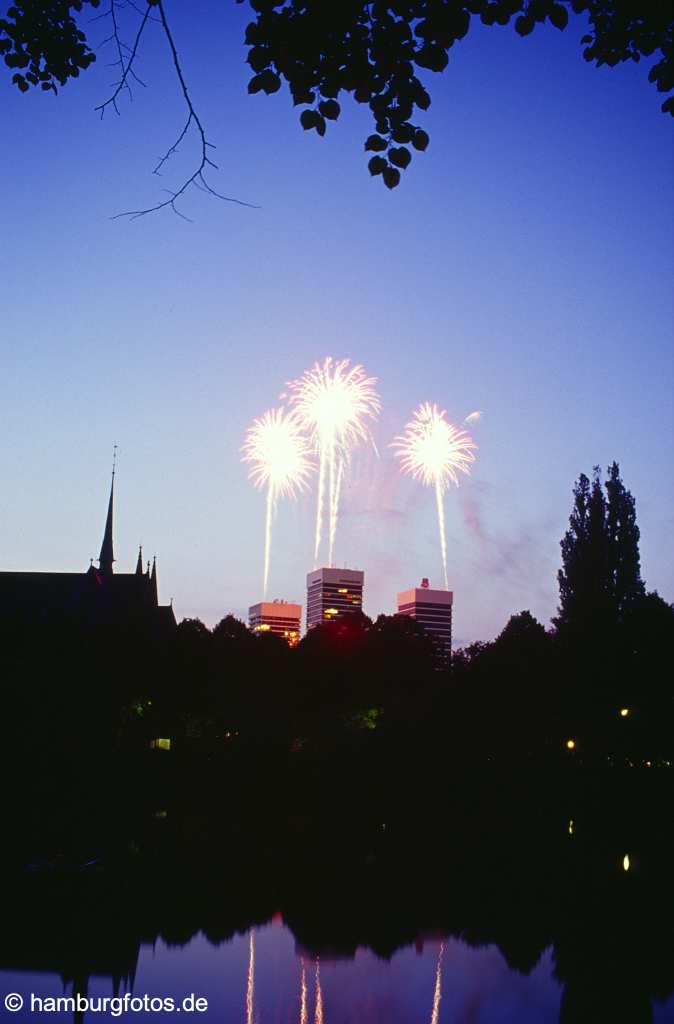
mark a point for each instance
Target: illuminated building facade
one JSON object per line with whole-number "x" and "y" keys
{"x": 278, "y": 617}
{"x": 432, "y": 609}
{"x": 333, "y": 593}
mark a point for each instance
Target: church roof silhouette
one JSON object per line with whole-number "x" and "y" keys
{"x": 98, "y": 596}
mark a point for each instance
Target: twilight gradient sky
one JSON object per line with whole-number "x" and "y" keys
{"x": 524, "y": 267}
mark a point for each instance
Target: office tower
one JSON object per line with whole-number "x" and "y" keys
{"x": 333, "y": 593}
{"x": 432, "y": 609}
{"x": 278, "y": 617}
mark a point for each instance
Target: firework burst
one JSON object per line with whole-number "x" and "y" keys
{"x": 280, "y": 462}
{"x": 434, "y": 451}
{"x": 334, "y": 404}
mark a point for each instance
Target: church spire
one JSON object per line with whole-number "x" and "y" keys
{"x": 107, "y": 557}
{"x": 139, "y": 563}
{"x": 153, "y": 581}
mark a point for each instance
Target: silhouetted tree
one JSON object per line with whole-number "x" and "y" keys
{"x": 586, "y": 585}
{"x": 369, "y": 50}
{"x": 623, "y": 545}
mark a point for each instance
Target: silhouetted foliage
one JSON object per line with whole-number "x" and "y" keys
{"x": 626, "y": 585}
{"x": 600, "y": 578}
{"x": 372, "y": 51}
{"x": 354, "y": 688}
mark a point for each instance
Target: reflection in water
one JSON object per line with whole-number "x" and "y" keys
{"x": 437, "y": 995}
{"x": 511, "y": 887}
{"x": 318, "y": 1019}
{"x": 250, "y": 986}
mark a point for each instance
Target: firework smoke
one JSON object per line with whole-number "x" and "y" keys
{"x": 333, "y": 403}
{"x": 433, "y": 451}
{"x": 279, "y": 457}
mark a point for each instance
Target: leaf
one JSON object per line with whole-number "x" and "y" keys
{"x": 258, "y": 58}
{"x": 400, "y": 157}
{"x": 329, "y": 109}
{"x": 308, "y": 119}
{"x": 391, "y": 177}
{"x": 524, "y": 25}
{"x": 375, "y": 144}
{"x": 270, "y": 82}
{"x": 668, "y": 106}
{"x": 403, "y": 133}
{"x": 433, "y": 57}
{"x": 421, "y": 98}
{"x": 255, "y": 84}
{"x": 559, "y": 16}
{"x": 376, "y": 165}
{"x": 420, "y": 140}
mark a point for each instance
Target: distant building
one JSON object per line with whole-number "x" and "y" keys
{"x": 278, "y": 617}
{"x": 333, "y": 593}
{"x": 432, "y": 609}
{"x": 96, "y": 597}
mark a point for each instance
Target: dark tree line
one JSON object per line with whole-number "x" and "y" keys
{"x": 595, "y": 689}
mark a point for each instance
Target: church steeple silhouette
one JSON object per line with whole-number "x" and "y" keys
{"x": 153, "y": 580}
{"x": 107, "y": 557}
{"x": 139, "y": 563}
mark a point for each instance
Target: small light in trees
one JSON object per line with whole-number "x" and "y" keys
{"x": 571, "y": 827}
{"x": 626, "y": 862}
{"x": 624, "y": 712}
{"x": 570, "y": 744}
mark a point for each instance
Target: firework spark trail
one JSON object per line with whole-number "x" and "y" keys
{"x": 333, "y": 404}
{"x": 319, "y": 507}
{"x": 304, "y": 1010}
{"x": 434, "y": 451}
{"x": 437, "y": 995}
{"x": 334, "y": 510}
{"x": 318, "y": 1017}
{"x": 440, "y": 499}
{"x": 279, "y": 456}
{"x": 250, "y": 985}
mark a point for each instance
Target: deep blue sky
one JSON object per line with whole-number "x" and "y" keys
{"x": 524, "y": 267}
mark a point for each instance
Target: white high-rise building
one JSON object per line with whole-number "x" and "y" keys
{"x": 278, "y": 617}
{"x": 432, "y": 609}
{"x": 333, "y": 593}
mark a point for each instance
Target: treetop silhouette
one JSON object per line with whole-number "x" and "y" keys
{"x": 372, "y": 51}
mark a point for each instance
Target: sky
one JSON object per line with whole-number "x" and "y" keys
{"x": 523, "y": 267}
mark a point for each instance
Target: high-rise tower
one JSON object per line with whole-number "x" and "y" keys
{"x": 278, "y": 617}
{"x": 432, "y": 609}
{"x": 333, "y": 593}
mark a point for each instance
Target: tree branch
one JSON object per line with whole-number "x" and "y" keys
{"x": 197, "y": 178}
{"x": 126, "y": 68}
